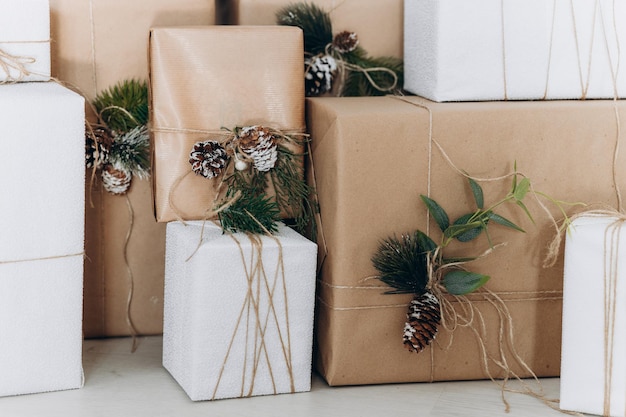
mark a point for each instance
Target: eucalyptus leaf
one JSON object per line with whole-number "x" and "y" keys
{"x": 521, "y": 189}
{"x": 477, "y": 191}
{"x": 438, "y": 213}
{"x": 461, "y": 282}
{"x": 505, "y": 222}
{"x": 470, "y": 231}
{"x": 523, "y": 206}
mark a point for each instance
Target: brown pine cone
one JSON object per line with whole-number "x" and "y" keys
{"x": 115, "y": 181}
{"x": 345, "y": 42}
{"x": 208, "y": 158}
{"x": 98, "y": 143}
{"x": 259, "y": 143}
{"x": 422, "y": 323}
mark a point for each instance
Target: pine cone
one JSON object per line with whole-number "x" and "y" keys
{"x": 259, "y": 143}
{"x": 115, "y": 181}
{"x": 318, "y": 75}
{"x": 98, "y": 143}
{"x": 422, "y": 323}
{"x": 208, "y": 158}
{"x": 345, "y": 42}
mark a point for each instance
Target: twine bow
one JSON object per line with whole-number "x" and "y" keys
{"x": 9, "y": 64}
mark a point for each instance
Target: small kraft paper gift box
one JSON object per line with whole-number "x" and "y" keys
{"x": 514, "y": 49}
{"x": 593, "y": 374}
{"x": 24, "y": 40}
{"x": 374, "y": 156}
{"x": 238, "y": 311}
{"x": 98, "y": 44}
{"x": 201, "y": 88}
{"x": 42, "y": 176}
{"x": 378, "y": 24}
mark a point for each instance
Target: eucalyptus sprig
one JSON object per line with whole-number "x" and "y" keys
{"x": 415, "y": 263}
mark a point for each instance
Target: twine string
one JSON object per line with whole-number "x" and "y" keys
{"x": 130, "y": 276}
{"x": 10, "y": 63}
{"x": 43, "y": 258}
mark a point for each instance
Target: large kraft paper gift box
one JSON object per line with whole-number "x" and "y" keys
{"x": 97, "y": 44}
{"x": 42, "y": 244}
{"x": 462, "y": 50}
{"x": 195, "y": 95}
{"x": 372, "y": 159}
{"x": 238, "y": 315}
{"x": 378, "y": 24}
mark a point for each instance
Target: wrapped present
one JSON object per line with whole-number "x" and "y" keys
{"x": 592, "y": 372}
{"x": 98, "y": 44}
{"x": 42, "y": 247}
{"x": 373, "y": 157}
{"x": 515, "y": 50}
{"x": 260, "y": 85}
{"x": 238, "y": 311}
{"x": 25, "y": 40}
{"x": 377, "y": 24}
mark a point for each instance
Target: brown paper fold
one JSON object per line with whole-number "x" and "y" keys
{"x": 206, "y": 78}
{"x": 373, "y": 157}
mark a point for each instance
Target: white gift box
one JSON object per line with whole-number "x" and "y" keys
{"x": 234, "y": 327}
{"x": 42, "y": 178}
{"x": 25, "y": 39}
{"x": 471, "y": 50}
{"x": 593, "y": 364}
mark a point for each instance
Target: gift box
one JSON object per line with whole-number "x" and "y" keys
{"x": 25, "y": 40}
{"x": 373, "y": 157}
{"x": 98, "y": 44}
{"x": 260, "y": 85}
{"x": 378, "y": 24}
{"x": 516, "y": 50}
{"x": 42, "y": 247}
{"x": 238, "y": 311}
{"x": 593, "y": 372}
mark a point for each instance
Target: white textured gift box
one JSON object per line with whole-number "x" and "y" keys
{"x": 471, "y": 50}
{"x": 593, "y": 364}
{"x": 224, "y": 336}
{"x": 42, "y": 179}
{"x": 25, "y": 39}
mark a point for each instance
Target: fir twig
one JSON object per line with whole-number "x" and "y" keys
{"x": 315, "y": 24}
{"x": 251, "y": 213}
{"x": 130, "y": 152}
{"x": 124, "y": 106}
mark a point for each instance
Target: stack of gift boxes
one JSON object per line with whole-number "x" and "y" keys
{"x": 498, "y": 85}
{"x": 42, "y": 210}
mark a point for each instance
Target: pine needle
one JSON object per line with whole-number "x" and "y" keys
{"x": 130, "y": 152}
{"x": 314, "y": 22}
{"x": 124, "y": 106}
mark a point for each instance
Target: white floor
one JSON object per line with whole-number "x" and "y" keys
{"x": 120, "y": 384}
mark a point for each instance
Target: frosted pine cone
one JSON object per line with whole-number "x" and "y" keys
{"x": 318, "y": 75}
{"x": 98, "y": 143}
{"x": 345, "y": 42}
{"x": 115, "y": 181}
{"x": 259, "y": 143}
{"x": 208, "y": 158}
{"x": 422, "y": 323}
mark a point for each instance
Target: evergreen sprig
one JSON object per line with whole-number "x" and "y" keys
{"x": 252, "y": 213}
{"x": 130, "y": 152}
{"x": 315, "y": 23}
{"x": 357, "y": 85}
{"x": 124, "y": 106}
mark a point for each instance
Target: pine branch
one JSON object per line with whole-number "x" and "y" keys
{"x": 124, "y": 106}
{"x": 314, "y": 22}
{"x": 250, "y": 214}
{"x": 130, "y": 152}
{"x": 357, "y": 84}
{"x": 402, "y": 263}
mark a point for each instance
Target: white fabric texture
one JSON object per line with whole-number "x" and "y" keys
{"x": 586, "y": 332}
{"x": 42, "y": 178}
{"x": 205, "y": 295}
{"x": 460, "y": 50}
{"x": 25, "y": 32}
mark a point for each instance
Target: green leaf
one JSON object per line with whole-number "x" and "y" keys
{"x": 463, "y": 282}
{"x": 477, "y": 191}
{"x": 466, "y": 230}
{"x": 523, "y": 206}
{"x": 520, "y": 191}
{"x": 438, "y": 213}
{"x": 504, "y": 222}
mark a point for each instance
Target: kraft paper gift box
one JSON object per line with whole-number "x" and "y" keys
{"x": 97, "y": 44}
{"x": 24, "y": 40}
{"x": 199, "y": 86}
{"x": 41, "y": 251}
{"x": 372, "y": 159}
{"x": 235, "y": 327}
{"x": 593, "y": 373}
{"x": 378, "y": 24}
{"x": 517, "y": 49}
